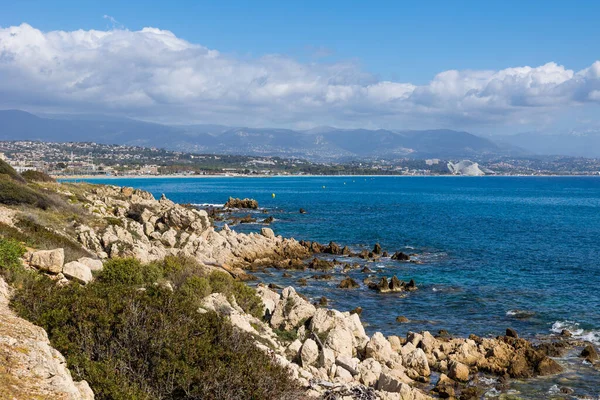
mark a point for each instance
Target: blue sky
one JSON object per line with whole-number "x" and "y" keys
{"x": 401, "y": 42}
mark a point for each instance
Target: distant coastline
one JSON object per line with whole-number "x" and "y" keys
{"x": 120, "y": 177}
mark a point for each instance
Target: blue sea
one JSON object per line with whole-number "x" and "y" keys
{"x": 494, "y": 252}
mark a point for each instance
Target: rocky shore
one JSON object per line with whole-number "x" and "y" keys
{"x": 327, "y": 351}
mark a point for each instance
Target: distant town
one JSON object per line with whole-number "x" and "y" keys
{"x": 93, "y": 159}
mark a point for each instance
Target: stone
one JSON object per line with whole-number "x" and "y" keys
{"x": 458, "y": 371}
{"x": 85, "y": 391}
{"x": 91, "y": 263}
{"x": 343, "y": 375}
{"x": 369, "y": 371}
{"x": 512, "y": 333}
{"x": 400, "y": 256}
{"x": 340, "y": 341}
{"x": 326, "y": 358}
{"x": 589, "y": 353}
{"x": 293, "y": 350}
{"x": 291, "y": 310}
{"x": 269, "y": 298}
{"x": 401, "y": 319}
{"x": 268, "y": 233}
{"x": 348, "y": 283}
{"x": 377, "y": 249}
{"x": 78, "y": 271}
{"x": 309, "y": 354}
{"x": 416, "y": 364}
{"x": 395, "y": 342}
{"x": 48, "y": 260}
{"x": 379, "y": 348}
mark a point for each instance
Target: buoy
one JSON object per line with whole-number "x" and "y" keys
{"x": 273, "y": 195}
{"x": 323, "y": 186}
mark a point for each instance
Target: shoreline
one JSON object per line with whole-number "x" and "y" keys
{"x": 71, "y": 178}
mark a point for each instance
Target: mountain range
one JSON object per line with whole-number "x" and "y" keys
{"x": 318, "y": 144}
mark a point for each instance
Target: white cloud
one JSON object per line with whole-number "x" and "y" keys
{"x": 154, "y": 74}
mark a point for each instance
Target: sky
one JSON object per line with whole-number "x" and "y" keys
{"x": 494, "y": 67}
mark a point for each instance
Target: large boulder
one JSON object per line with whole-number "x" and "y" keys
{"x": 416, "y": 364}
{"x": 340, "y": 340}
{"x": 369, "y": 371}
{"x": 92, "y": 264}
{"x": 78, "y": 271}
{"x": 458, "y": 371}
{"x": 291, "y": 310}
{"x": 379, "y": 348}
{"x": 309, "y": 354}
{"x": 269, "y": 298}
{"x": 48, "y": 260}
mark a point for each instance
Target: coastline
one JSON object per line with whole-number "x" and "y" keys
{"x": 72, "y": 178}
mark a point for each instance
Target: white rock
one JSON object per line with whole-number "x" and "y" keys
{"x": 340, "y": 341}
{"x": 48, "y": 260}
{"x": 268, "y": 233}
{"x": 293, "y": 349}
{"x": 92, "y": 264}
{"x": 78, "y": 271}
{"x": 369, "y": 371}
{"x": 379, "y": 348}
{"x": 291, "y": 310}
{"x": 326, "y": 358}
{"x": 458, "y": 371}
{"x": 343, "y": 375}
{"x": 416, "y": 364}
{"x": 309, "y": 353}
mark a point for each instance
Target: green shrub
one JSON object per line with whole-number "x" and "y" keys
{"x": 37, "y": 176}
{"x": 14, "y": 193}
{"x": 11, "y": 252}
{"x": 39, "y": 237}
{"x": 122, "y": 271}
{"x": 152, "y": 344}
{"x": 114, "y": 221}
{"x": 195, "y": 288}
{"x": 6, "y": 169}
{"x": 245, "y": 296}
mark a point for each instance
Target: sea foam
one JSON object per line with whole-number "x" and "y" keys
{"x": 592, "y": 336}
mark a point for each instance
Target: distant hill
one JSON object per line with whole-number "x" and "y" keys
{"x": 319, "y": 144}
{"x": 577, "y": 144}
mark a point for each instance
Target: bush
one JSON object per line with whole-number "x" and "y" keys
{"x": 152, "y": 344}
{"x": 129, "y": 271}
{"x": 13, "y": 193}
{"x": 245, "y": 296}
{"x": 6, "y": 169}
{"x": 37, "y": 176}
{"x": 11, "y": 252}
{"x": 39, "y": 237}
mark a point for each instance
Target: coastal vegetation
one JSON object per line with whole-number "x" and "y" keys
{"x": 134, "y": 332}
{"x": 132, "y": 337}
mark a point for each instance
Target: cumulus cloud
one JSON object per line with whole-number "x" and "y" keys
{"x": 153, "y": 74}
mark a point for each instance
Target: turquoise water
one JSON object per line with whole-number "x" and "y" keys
{"x": 495, "y": 252}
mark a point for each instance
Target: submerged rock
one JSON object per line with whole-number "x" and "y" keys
{"x": 394, "y": 285}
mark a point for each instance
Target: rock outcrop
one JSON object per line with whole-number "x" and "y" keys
{"x": 148, "y": 229}
{"x": 30, "y": 367}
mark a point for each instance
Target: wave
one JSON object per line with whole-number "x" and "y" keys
{"x": 520, "y": 314}
{"x": 592, "y": 336}
{"x": 207, "y": 205}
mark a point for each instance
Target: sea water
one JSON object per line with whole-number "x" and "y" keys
{"x": 493, "y": 252}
